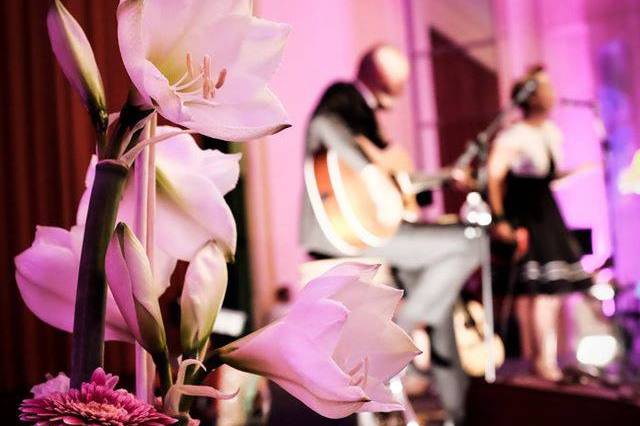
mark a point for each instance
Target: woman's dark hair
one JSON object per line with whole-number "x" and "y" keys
{"x": 526, "y": 106}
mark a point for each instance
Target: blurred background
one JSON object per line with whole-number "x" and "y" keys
{"x": 465, "y": 55}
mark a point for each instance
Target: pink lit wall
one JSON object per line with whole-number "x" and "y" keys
{"x": 326, "y": 39}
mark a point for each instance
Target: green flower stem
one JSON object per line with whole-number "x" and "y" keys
{"x": 161, "y": 360}
{"x": 87, "y": 350}
{"x": 102, "y": 141}
{"x": 182, "y": 420}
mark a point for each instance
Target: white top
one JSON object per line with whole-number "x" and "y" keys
{"x": 524, "y": 149}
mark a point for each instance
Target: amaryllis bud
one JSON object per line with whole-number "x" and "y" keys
{"x": 75, "y": 56}
{"x": 133, "y": 287}
{"x": 205, "y": 285}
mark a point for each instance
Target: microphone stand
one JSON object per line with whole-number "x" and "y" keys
{"x": 478, "y": 213}
{"x": 478, "y": 148}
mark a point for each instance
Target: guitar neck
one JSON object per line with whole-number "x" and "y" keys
{"x": 397, "y": 162}
{"x": 425, "y": 182}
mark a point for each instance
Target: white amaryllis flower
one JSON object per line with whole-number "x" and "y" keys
{"x": 132, "y": 284}
{"x": 47, "y": 274}
{"x": 191, "y": 210}
{"x": 337, "y": 347}
{"x": 204, "y": 64}
{"x": 205, "y": 284}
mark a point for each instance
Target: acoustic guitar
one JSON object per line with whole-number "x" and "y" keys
{"x": 469, "y": 323}
{"x": 358, "y": 210}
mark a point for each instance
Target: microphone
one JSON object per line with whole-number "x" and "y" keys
{"x": 581, "y": 103}
{"x": 528, "y": 88}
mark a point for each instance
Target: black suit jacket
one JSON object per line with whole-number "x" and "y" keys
{"x": 344, "y": 100}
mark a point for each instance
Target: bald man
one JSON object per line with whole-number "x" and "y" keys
{"x": 434, "y": 261}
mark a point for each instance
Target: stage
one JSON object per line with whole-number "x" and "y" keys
{"x": 529, "y": 401}
{"x": 517, "y": 398}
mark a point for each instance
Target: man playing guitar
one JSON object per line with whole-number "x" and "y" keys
{"x": 434, "y": 261}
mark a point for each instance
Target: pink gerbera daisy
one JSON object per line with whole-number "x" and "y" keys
{"x": 96, "y": 403}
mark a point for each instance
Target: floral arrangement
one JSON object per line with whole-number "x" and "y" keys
{"x": 153, "y": 197}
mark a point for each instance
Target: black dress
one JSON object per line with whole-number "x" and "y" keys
{"x": 552, "y": 264}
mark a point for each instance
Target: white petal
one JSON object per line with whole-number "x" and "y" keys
{"x": 155, "y": 85}
{"x": 121, "y": 285}
{"x": 324, "y": 287}
{"x": 135, "y": 257}
{"x": 133, "y": 43}
{"x": 190, "y": 212}
{"x": 258, "y": 60}
{"x": 318, "y": 374}
{"x": 282, "y": 351}
{"x": 75, "y": 56}
{"x": 167, "y": 23}
{"x": 386, "y": 346}
{"x": 380, "y": 299}
{"x": 53, "y": 236}
{"x": 220, "y": 38}
{"x": 260, "y": 116}
{"x": 382, "y": 400}
{"x": 163, "y": 267}
{"x": 205, "y": 285}
{"x": 321, "y": 322}
{"x": 347, "y": 284}
{"x": 47, "y": 275}
{"x": 182, "y": 154}
{"x": 363, "y": 271}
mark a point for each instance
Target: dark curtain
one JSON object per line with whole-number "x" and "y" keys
{"x": 45, "y": 143}
{"x": 466, "y": 93}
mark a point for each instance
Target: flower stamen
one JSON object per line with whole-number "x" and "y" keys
{"x": 360, "y": 380}
{"x": 365, "y": 375}
{"x": 180, "y": 80}
{"x": 207, "y": 87}
{"x": 179, "y": 87}
{"x": 190, "y": 84}
{"x": 222, "y": 76}
{"x": 189, "y": 66}
{"x": 355, "y": 369}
